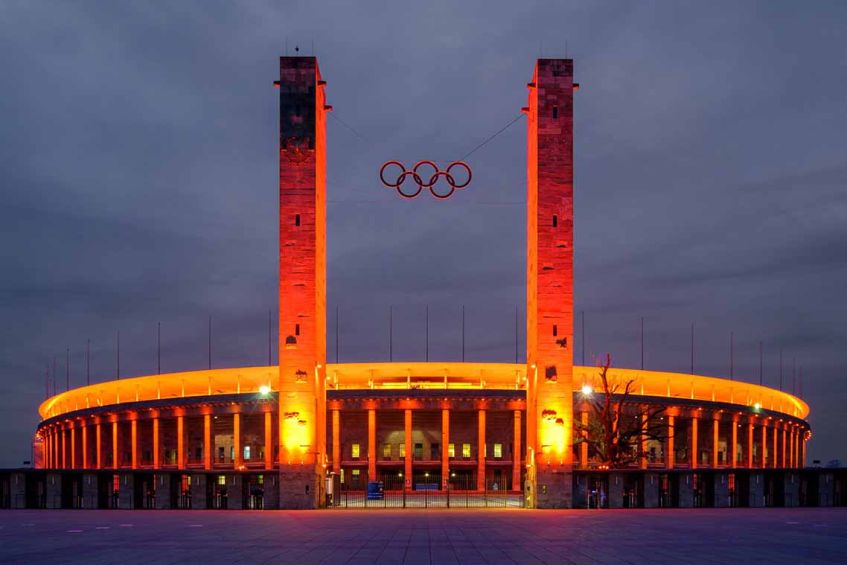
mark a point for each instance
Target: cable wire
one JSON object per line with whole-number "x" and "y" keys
{"x": 348, "y": 126}
{"x": 501, "y": 130}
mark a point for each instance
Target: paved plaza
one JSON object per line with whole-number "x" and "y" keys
{"x": 803, "y": 535}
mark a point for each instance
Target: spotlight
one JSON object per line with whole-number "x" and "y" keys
{"x": 587, "y": 390}
{"x": 264, "y": 390}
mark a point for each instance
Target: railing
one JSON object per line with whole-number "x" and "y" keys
{"x": 395, "y": 494}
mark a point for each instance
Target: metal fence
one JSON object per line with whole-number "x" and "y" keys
{"x": 398, "y": 494}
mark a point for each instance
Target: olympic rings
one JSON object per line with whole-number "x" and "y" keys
{"x": 432, "y": 178}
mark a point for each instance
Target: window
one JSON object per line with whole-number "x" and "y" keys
{"x": 221, "y": 479}
{"x": 435, "y": 451}
{"x": 297, "y": 220}
{"x": 555, "y": 330}
{"x": 555, "y": 221}
{"x": 355, "y": 479}
{"x": 555, "y": 112}
{"x": 402, "y": 449}
{"x": 246, "y": 452}
{"x": 418, "y": 450}
{"x": 498, "y": 450}
{"x": 451, "y": 449}
{"x": 296, "y": 329}
{"x": 386, "y": 451}
{"x": 466, "y": 450}
{"x": 355, "y": 450}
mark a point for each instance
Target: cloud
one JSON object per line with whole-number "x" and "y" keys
{"x": 138, "y": 177}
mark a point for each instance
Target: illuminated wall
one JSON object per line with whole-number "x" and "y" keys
{"x": 550, "y": 280}
{"x": 302, "y": 270}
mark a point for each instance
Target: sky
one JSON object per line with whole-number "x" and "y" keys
{"x": 138, "y": 174}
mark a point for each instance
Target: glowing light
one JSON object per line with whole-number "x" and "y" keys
{"x": 587, "y": 390}
{"x": 264, "y": 390}
{"x": 757, "y": 406}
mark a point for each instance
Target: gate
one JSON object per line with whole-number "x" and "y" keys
{"x": 424, "y": 491}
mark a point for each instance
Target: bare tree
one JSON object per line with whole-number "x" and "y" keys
{"x": 619, "y": 425}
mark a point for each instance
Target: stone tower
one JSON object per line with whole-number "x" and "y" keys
{"x": 302, "y": 282}
{"x": 549, "y": 313}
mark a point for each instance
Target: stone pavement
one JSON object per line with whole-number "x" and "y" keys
{"x": 776, "y": 535}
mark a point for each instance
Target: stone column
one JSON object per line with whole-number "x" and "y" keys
{"x": 716, "y": 425}
{"x": 749, "y": 444}
{"x": 670, "y": 459}
{"x": 764, "y": 444}
{"x": 480, "y": 458}
{"x": 517, "y": 452}
{"x": 269, "y": 448}
{"x": 98, "y": 446}
{"x": 583, "y": 446}
{"x": 64, "y": 460}
{"x": 180, "y": 442}
{"x": 643, "y": 440}
{"x": 207, "y": 441}
{"x": 336, "y": 442}
{"x": 371, "y": 444}
{"x": 793, "y": 447}
{"x": 237, "y": 461}
{"x": 84, "y": 432}
{"x": 802, "y": 449}
{"x": 134, "y": 436}
{"x": 775, "y": 458}
{"x": 116, "y": 454}
{"x": 784, "y": 445}
{"x": 445, "y": 448}
{"x": 693, "y": 459}
{"x": 156, "y": 464}
{"x": 734, "y": 446}
{"x": 46, "y": 435}
{"x": 790, "y": 447}
{"x": 407, "y": 429}
{"x": 71, "y": 430}
{"x": 63, "y": 448}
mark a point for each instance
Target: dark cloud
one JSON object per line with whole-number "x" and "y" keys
{"x": 138, "y": 175}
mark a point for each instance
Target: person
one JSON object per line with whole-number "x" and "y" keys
{"x": 494, "y": 486}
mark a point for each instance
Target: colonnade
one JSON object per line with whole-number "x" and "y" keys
{"x": 61, "y": 449}
{"x": 408, "y": 463}
{"x": 779, "y": 443}
{"x": 783, "y": 442}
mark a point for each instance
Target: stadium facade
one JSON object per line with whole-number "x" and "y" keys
{"x": 300, "y": 434}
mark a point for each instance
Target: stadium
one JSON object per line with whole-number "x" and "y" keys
{"x": 308, "y": 434}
